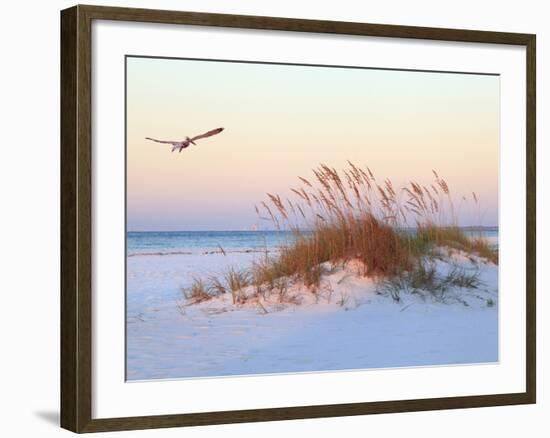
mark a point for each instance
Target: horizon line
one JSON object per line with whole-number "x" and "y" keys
{"x": 474, "y": 227}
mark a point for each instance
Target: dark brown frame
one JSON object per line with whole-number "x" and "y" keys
{"x": 76, "y": 236}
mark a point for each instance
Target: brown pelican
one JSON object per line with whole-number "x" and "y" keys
{"x": 181, "y": 145}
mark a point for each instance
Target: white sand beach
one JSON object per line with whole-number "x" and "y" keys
{"x": 347, "y": 325}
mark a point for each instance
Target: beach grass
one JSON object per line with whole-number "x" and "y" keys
{"x": 425, "y": 279}
{"x": 431, "y": 235}
{"x": 337, "y": 217}
{"x": 198, "y": 291}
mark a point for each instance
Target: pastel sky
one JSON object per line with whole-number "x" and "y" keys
{"x": 282, "y": 120}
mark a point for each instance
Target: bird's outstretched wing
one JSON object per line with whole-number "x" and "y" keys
{"x": 207, "y": 134}
{"x": 162, "y": 141}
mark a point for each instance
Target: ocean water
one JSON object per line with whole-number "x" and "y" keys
{"x": 491, "y": 234}
{"x": 203, "y": 242}
{"x": 206, "y": 242}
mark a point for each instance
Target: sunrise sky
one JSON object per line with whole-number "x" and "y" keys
{"x": 281, "y": 121}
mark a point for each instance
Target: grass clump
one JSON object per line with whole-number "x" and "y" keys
{"x": 337, "y": 217}
{"x": 429, "y": 235}
{"x": 425, "y": 279}
{"x": 198, "y": 292}
{"x": 233, "y": 281}
{"x": 236, "y": 281}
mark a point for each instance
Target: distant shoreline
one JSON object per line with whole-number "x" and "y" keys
{"x": 201, "y": 253}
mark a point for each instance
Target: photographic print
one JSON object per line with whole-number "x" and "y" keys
{"x": 286, "y": 218}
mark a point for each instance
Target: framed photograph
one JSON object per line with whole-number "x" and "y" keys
{"x": 272, "y": 218}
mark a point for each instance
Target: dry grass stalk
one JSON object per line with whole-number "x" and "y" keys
{"x": 351, "y": 217}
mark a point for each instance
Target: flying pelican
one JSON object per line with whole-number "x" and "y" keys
{"x": 181, "y": 145}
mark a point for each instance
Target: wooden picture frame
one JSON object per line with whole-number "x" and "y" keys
{"x": 76, "y": 217}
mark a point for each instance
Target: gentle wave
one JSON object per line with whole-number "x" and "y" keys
{"x": 235, "y": 251}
